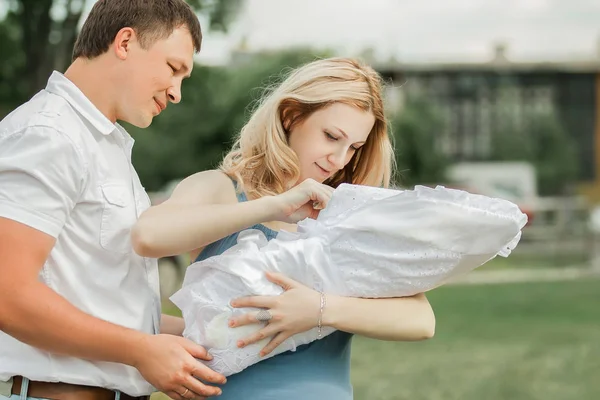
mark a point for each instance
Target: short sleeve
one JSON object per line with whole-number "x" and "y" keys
{"x": 41, "y": 177}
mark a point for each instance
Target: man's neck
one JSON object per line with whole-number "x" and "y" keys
{"x": 92, "y": 78}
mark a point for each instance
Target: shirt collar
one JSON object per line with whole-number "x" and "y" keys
{"x": 61, "y": 86}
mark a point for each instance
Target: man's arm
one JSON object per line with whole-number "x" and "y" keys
{"x": 42, "y": 174}
{"x": 66, "y": 330}
{"x": 166, "y": 361}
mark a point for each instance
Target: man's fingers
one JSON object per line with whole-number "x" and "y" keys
{"x": 174, "y": 395}
{"x": 196, "y": 350}
{"x": 203, "y": 372}
{"x": 200, "y": 389}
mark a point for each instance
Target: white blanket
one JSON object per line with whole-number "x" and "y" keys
{"x": 368, "y": 242}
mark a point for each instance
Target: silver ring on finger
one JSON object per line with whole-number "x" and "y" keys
{"x": 264, "y": 316}
{"x": 184, "y": 393}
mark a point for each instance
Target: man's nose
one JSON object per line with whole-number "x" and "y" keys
{"x": 174, "y": 94}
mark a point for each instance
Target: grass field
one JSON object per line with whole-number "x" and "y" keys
{"x": 493, "y": 342}
{"x": 537, "y": 260}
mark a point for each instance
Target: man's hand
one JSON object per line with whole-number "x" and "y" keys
{"x": 169, "y": 363}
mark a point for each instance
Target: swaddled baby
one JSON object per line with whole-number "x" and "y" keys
{"x": 367, "y": 242}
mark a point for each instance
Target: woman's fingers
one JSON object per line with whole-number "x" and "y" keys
{"x": 254, "y": 301}
{"x": 274, "y": 343}
{"x": 266, "y": 332}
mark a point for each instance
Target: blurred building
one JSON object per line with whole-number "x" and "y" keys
{"x": 474, "y": 98}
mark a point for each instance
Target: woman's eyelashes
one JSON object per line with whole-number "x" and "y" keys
{"x": 331, "y": 137}
{"x": 335, "y": 139}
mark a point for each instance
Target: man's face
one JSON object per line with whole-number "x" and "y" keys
{"x": 154, "y": 76}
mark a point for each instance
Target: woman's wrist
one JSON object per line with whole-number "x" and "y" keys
{"x": 329, "y": 317}
{"x": 270, "y": 208}
{"x": 322, "y": 305}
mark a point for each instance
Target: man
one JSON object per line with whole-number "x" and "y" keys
{"x": 79, "y": 310}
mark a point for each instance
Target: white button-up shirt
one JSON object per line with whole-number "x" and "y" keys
{"x": 66, "y": 170}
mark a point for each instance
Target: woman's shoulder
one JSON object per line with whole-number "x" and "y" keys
{"x": 212, "y": 176}
{"x": 211, "y": 187}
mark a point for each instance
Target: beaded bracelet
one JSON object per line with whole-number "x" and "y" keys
{"x": 319, "y": 324}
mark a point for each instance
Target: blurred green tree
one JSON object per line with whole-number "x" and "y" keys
{"x": 544, "y": 142}
{"x": 419, "y": 158}
{"x": 37, "y": 36}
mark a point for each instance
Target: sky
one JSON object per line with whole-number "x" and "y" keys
{"x": 419, "y": 30}
{"x": 413, "y": 30}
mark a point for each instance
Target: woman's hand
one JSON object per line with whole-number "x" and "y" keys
{"x": 303, "y": 201}
{"x": 295, "y": 310}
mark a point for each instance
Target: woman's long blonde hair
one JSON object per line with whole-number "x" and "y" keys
{"x": 261, "y": 160}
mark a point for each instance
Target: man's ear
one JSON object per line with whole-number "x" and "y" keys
{"x": 123, "y": 41}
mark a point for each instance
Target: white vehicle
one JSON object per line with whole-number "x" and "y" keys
{"x": 512, "y": 181}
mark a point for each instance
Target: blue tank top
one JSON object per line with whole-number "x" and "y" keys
{"x": 317, "y": 371}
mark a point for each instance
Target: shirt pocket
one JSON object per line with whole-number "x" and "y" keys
{"x": 118, "y": 217}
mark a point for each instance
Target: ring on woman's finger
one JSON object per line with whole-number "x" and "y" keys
{"x": 184, "y": 393}
{"x": 263, "y": 316}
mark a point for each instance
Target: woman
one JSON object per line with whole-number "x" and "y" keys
{"x": 324, "y": 125}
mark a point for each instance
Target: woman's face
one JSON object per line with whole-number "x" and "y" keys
{"x": 326, "y": 141}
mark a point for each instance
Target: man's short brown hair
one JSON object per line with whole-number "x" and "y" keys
{"x": 151, "y": 19}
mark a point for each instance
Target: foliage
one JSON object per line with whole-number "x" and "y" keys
{"x": 38, "y": 36}
{"x": 543, "y": 142}
{"x": 416, "y": 130}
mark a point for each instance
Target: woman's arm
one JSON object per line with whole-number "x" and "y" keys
{"x": 171, "y": 325}
{"x": 298, "y": 309}
{"x": 204, "y": 208}
{"x": 402, "y": 319}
